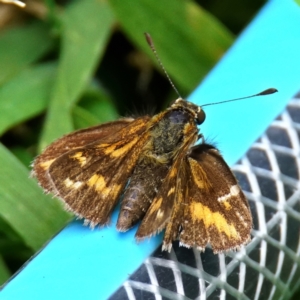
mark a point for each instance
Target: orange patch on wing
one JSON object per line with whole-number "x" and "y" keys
{"x": 98, "y": 182}
{"x": 173, "y": 172}
{"x": 100, "y": 185}
{"x": 81, "y": 159}
{"x": 227, "y": 205}
{"x": 171, "y": 191}
{"x": 209, "y": 218}
{"x": 46, "y": 164}
{"x": 155, "y": 205}
{"x": 113, "y": 152}
{"x": 199, "y": 175}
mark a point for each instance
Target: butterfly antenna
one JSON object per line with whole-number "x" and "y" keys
{"x": 151, "y": 44}
{"x": 263, "y": 93}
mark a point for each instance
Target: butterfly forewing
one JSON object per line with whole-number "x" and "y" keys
{"x": 161, "y": 208}
{"x": 174, "y": 223}
{"x": 72, "y": 141}
{"x": 215, "y": 208}
{"x": 90, "y": 179}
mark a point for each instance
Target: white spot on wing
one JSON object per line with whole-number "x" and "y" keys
{"x": 234, "y": 191}
{"x": 241, "y": 218}
{"x": 77, "y": 184}
{"x": 160, "y": 214}
{"x": 71, "y": 184}
{"x": 68, "y": 182}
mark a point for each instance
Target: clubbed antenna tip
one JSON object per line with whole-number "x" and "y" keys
{"x": 263, "y": 93}
{"x": 267, "y": 92}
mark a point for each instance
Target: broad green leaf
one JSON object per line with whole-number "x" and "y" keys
{"x": 4, "y": 272}
{"x": 188, "y": 39}
{"x": 7, "y": 234}
{"x": 34, "y": 216}
{"x": 26, "y": 95}
{"x": 86, "y": 28}
{"x": 83, "y": 118}
{"x": 22, "y": 155}
{"x": 94, "y": 108}
{"x": 12, "y": 247}
{"x": 21, "y": 46}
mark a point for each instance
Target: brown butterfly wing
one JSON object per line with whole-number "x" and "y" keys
{"x": 91, "y": 178}
{"x": 215, "y": 208}
{"x": 173, "y": 225}
{"x": 162, "y": 206}
{"x": 77, "y": 139}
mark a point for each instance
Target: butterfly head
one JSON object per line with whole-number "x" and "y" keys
{"x": 196, "y": 111}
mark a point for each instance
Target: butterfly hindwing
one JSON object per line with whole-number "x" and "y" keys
{"x": 161, "y": 208}
{"x": 215, "y": 208}
{"x": 173, "y": 226}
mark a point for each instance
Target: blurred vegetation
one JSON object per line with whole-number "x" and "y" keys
{"x": 72, "y": 64}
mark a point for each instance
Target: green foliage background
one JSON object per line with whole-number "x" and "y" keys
{"x": 80, "y": 63}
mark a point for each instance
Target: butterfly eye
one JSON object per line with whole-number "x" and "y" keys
{"x": 200, "y": 116}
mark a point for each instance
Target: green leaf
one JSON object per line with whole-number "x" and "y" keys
{"x": 22, "y": 155}
{"x": 4, "y": 272}
{"x": 83, "y": 118}
{"x": 86, "y": 28}
{"x": 21, "y": 46}
{"x": 26, "y": 95}
{"x": 95, "y": 107}
{"x": 189, "y": 40}
{"x": 34, "y": 216}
